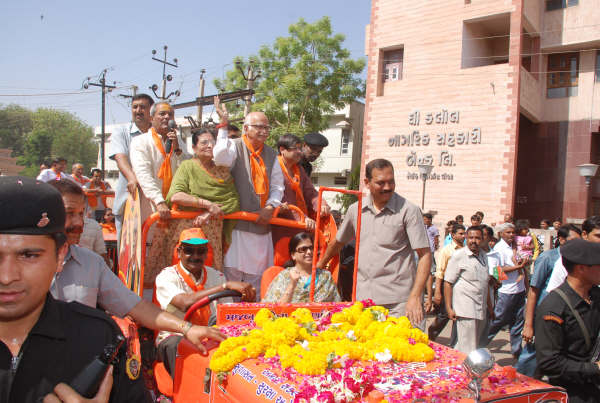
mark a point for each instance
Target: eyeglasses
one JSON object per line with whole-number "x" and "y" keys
{"x": 190, "y": 250}
{"x": 205, "y": 143}
{"x": 262, "y": 127}
{"x": 304, "y": 249}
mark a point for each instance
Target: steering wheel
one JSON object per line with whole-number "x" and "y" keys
{"x": 208, "y": 299}
{"x": 291, "y": 207}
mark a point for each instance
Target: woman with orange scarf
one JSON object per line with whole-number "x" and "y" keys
{"x": 299, "y": 189}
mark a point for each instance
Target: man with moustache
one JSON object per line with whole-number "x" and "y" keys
{"x": 120, "y": 142}
{"x": 466, "y": 292}
{"x": 180, "y": 286}
{"x": 152, "y": 165}
{"x": 392, "y": 229}
{"x": 259, "y": 182}
{"x": 313, "y": 146}
{"x": 45, "y": 343}
{"x": 85, "y": 278}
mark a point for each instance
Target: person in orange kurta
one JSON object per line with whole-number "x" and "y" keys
{"x": 299, "y": 190}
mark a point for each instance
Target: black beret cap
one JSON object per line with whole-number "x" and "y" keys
{"x": 580, "y": 251}
{"x": 30, "y": 207}
{"x": 316, "y": 139}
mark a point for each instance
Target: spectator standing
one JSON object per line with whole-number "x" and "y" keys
{"x": 434, "y": 242}
{"x": 466, "y": 292}
{"x": 55, "y": 172}
{"x": 77, "y": 174}
{"x": 97, "y": 192}
{"x": 510, "y": 305}
{"x": 441, "y": 319}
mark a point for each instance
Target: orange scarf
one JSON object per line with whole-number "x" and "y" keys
{"x": 295, "y": 184}
{"x": 165, "y": 173}
{"x": 82, "y": 180}
{"x": 202, "y": 315}
{"x": 92, "y": 200}
{"x": 109, "y": 227}
{"x": 259, "y": 172}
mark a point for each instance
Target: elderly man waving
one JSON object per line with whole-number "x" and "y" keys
{"x": 259, "y": 182}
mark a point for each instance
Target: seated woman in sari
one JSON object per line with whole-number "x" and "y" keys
{"x": 299, "y": 189}
{"x": 293, "y": 283}
{"x": 200, "y": 184}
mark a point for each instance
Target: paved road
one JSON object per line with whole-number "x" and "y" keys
{"x": 500, "y": 346}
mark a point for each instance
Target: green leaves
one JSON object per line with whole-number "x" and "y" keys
{"x": 304, "y": 77}
{"x": 35, "y": 136}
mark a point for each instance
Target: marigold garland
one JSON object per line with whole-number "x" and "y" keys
{"x": 355, "y": 333}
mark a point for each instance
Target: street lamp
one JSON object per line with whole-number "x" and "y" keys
{"x": 588, "y": 171}
{"x": 424, "y": 170}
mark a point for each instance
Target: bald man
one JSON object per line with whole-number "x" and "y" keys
{"x": 259, "y": 182}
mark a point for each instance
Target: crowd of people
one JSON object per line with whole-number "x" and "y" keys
{"x": 480, "y": 277}
{"x": 484, "y": 283}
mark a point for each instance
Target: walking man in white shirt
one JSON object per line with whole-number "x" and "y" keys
{"x": 510, "y": 306}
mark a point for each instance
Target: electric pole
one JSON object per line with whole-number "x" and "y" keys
{"x": 102, "y": 84}
{"x": 199, "y": 113}
{"x": 250, "y": 76}
{"x": 165, "y": 77}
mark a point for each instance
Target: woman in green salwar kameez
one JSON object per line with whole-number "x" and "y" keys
{"x": 200, "y": 184}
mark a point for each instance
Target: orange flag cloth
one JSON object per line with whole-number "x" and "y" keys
{"x": 165, "y": 173}
{"x": 259, "y": 172}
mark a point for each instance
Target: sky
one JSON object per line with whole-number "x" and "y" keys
{"x": 51, "y": 46}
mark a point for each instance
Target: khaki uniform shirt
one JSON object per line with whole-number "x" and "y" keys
{"x": 469, "y": 275}
{"x": 386, "y": 265}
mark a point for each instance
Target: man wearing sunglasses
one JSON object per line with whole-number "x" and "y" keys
{"x": 180, "y": 286}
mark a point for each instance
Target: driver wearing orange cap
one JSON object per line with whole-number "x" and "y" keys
{"x": 179, "y": 286}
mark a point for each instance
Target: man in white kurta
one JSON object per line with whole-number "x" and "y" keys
{"x": 148, "y": 159}
{"x": 251, "y": 250}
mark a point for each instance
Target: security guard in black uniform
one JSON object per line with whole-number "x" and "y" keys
{"x": 311, "y": 149}
{"x": 44, "y": 343}
{"x": 567, "y": 324}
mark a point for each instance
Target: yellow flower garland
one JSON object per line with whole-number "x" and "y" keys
{"x": 355, "y": 332}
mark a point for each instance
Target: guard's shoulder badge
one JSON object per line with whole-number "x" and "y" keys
{"x": 554, "y": 318}
{"x": 133, "y": 366}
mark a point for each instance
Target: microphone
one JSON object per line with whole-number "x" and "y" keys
{"x": 172, "y": 126}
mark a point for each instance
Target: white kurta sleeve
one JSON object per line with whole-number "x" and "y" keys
{"x": 276, "y": 186}
{"x": 224, "y": 151}
{"x": 141, "y": 162}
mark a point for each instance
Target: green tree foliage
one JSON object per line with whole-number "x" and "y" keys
{"x": 35, "y": 136}
{"x": 347, "y": 199}
{"x": 304, "y": 77}
{"x": 15, "y": 123}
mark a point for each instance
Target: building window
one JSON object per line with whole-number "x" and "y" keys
{"x": 485, "y": 41}
{"x": 340, "y": 180}
{"x": 563, "y": 75}
{"x": 392, "y": 65}
{"x": 559, "y": 4}
{"x": 345, "y": 141}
